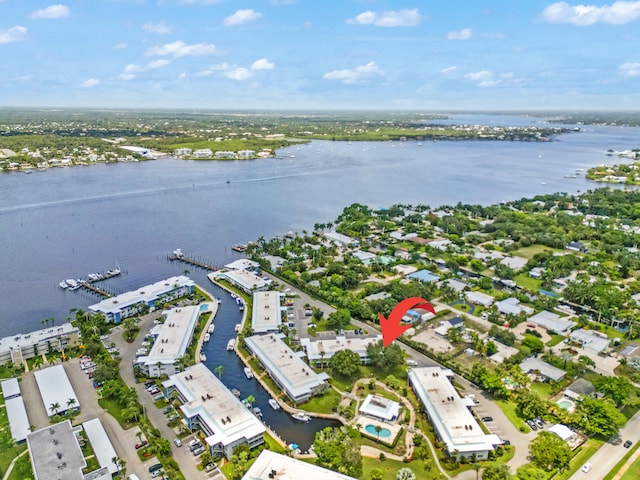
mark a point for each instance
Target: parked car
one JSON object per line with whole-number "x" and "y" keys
{"x": 539, "y": 423}
{"x": 628, "y": 443}
{"x": 177, "y": 442}
{"x": 198, "y": 451}
{"x": 166, "y": 410}
{"x": 210, "y": 467}
{"x": 506, "y": 442}
{"x": 412, "y": 363}
{"x": 532, "y": 424}
{"x": 195, "y": 446}
{"x": 155, "y": 468}
{"x": 141, "y": 444}
{"x": 487, "y": 419}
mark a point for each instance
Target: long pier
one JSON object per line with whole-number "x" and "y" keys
{"x": 196, "y": 262}
{"x": 91, "y": 287}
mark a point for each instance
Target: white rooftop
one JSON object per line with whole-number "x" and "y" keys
{"x": 247, "y": 280}
{"x": 315, "y": 346}
{"x": 55, "y": 388}
{"x": 455, "y": 424}
{"x": 207, "y": 397}
{"x": 562, "y": 431}
{"x": 532, "y": 364}
{"x": 266, "y": 315}
{"x": 21, "y": 340}
{"x": 242, "y": 264}
{"x": 55, "y": 453}
{"x": 174, "y": 335}
{"x": 479, "y": 297}
{"x": 551, "y": 321}
{"x": 291, "y": 371}
{"x": 380, "y": 407}
{"x": 18, "y": 419}
{"x": 339, "y": 237}
{"x": 590, "y": 340}
{"x": 147, "y": 294}
{"x": 101, "y": 444}
{"x": 10, "y": 388}
{"x": 287, "y": 468}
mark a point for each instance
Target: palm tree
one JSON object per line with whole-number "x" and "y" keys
{"x": 54, "y": 407}
{"x": 378, "y": 429}
{"x": 71, "y": 402}
{"x": 218, "y": 371}
{"x": 186, "y": 272}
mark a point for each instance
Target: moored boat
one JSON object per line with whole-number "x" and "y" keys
{"x": 238, "y": 327}
{"x": 63, "y": 284}
{"x": 248, "y": 373}
{"x": 274, "y": 404}
{"x": 236, "y": 392}
{"x": 231, "y": 344}
{"x": 301, "y": 417}
{"x": 207, "y": 337}
{"x": 211, "y": 327}
{"x": 203, "y": 357}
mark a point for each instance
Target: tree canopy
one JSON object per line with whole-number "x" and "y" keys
{"x": 550, "y": 452}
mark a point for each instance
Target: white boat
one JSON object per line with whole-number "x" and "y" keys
{"x": 236, "y": 392}
{"x": 178, "y": 253}
{"x": 63, "y": 284}
{"x": 203, "y": 357}
{"x": 231, "y": 344}
{"x": 211, "y": 327}
{"x": 207, "y": 337}
{"x": 274, "y": 404}
{"x": 233, "y": 295}
{"x": 238, "y": 327}
{"x": 301, "y": 417}
{"x": 257, "y": 412}
{"x": 248, "y": 373}
{"x": 219, "y": 300}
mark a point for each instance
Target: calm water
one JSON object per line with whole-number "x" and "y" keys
{"x": 66, "y": 223}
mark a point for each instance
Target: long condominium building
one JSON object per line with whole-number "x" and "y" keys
{"x": 320, "y": 350}
{"x": 452, "y": 420}
{"x": 16, "y": 411}
{"x": 172, "y": 339}
{"x": 129, "y": 304}
{"x": 56, "y": 391}
{"x": 286, "y": 367}
{"x": 208, "y": 405}
{"x": 266, "y": 315}
{"x": 274, "y": 466}
{"x": 18, "y": 348}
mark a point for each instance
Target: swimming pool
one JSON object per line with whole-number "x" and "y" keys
{"x": 384, "y": 433}
{"x": 204, "y": 306}
{"x": 566, "y": 404}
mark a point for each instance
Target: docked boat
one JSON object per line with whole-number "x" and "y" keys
{"x": 239, "y": 301}
{"x": 295, "y": 448}
{"x": 274, "y": 404}
{"x": 301, "y": 417}
{"x": 257, "y": 411}
{"x": 241, "y": 247}
{"x": 211, "y": 327}
{"x": 219, "y": 300}
{"x": 233, "y": 295}
{"x": 238, "y": 327}
{"x": 63, "y": 284}
{"x": 248, "y": 373}
{"x": 73, "y": 284}
{"x": 241, "y": 307}
{"x": 207, "y": 337}
{"x": 231, "y": 344}
{"x": 236, "y": 392}
{"x": 203, "y": 357}
{"x": 178, "y": 253}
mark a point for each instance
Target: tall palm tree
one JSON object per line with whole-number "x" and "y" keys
{"x": 71, "y": 402}
{"x": 54, "y": 407}
{"x": 378, "y": 429}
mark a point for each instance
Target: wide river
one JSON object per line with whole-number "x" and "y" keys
{"x": 68, "y": 222}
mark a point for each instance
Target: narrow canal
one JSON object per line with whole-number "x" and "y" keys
{"x": 291, "y": 431}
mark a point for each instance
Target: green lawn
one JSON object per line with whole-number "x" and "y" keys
{"x": 22, "y": 469}
{"x": 390, "y": 469}
{"x": 555, "y": 340}
{"x": 633, "y": 473}
{"x": 525, "y": 281}
{"x": 509, "y": 409}
{"x": 114, "y": 410}
{"x": 531, "y": 250}
{"x": 634, "y": 469}
{"x": 325, "y": 403}
{"x": 542, "y": 389}
{"x": 272, "y": 445}
{"x": 590, "y": 447}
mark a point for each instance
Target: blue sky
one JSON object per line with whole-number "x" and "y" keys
{"x": 321, "y": 54}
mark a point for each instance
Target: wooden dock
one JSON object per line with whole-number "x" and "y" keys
{"x": 92, "y": 288}
{"x": 196, "y": 262}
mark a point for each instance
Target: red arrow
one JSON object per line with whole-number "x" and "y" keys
{"x": 391, "y": 328}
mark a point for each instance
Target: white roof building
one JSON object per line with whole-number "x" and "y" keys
{"x": 55, "y": 389}
{"x": 453, "y": 422}
{"x": 551, "y": 321}
{"x": 242, "y": 264}
{"x": 208, "y": 405}
{"x": 266, "y": 315}
{"x": 479, "y": 298}
{"x": 17, "y": 348}
{"x": 55, "y": 453}
{"x": 516, "y": 263}
{"x": 340, "y": 239}
{"x": 512, "y": 306}
{"x": 16, "y": 412}
{"x": 381, "y": 408}
{"x": 274, "y": 466}
{"x": 286, "y": 368}
{"x": 128, "y": 304}
{"x": 364, "y": 257}
{"x": 172, "y": 339}
{"x": 322, "y": 349}
{"x": 101, "y": 445}
{"x": 590, "y": 340}
{"x": 545, "y": 369}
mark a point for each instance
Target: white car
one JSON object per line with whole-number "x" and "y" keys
{"x": 177, "y": 442}
{"x": 586, "y": 467}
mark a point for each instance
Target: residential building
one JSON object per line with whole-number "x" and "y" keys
{"x": 479, "y": 298}
{"x": 579, "y": 388}
{"x": 542, "y": 368}
{"x": 274, "y": 466}
{"x": 593, "y": 341}
{"x": 225, "y": 154}
{"x": 340, "y": 239}
{"x": 320, "y": 350}
{"x": 203, "y": 153}
{"x": 56, "y": 391}
{"x": 515, "y": 263}
{"x": 246, "y": 281}
{"x": 101, "y": 445}
{"x": 365, "y": 257}
{"x": 16, "y": 413}
{"x": 246, "y": 153}
{"x": 56, "y": 454}
{"x": 512, "y": 306}
{"x": 377, "y": 296}
{"x": 19, "y": 348}
{"x": 182, "y": 152}
{"x": 266, "y": 315}
{"x": 423, "y": 276}
{"x": 172, "y": 338}
{"x": 380, "y": 408}
{"x": 453, "y": 422}
{"x": 297, "y": 379}
{"x": 552, "y": 321}
{"x": 208, "y": 405}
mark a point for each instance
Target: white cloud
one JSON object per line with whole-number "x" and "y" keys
{"x": 13, "y": 34}
{"x": 448, "y": 70}
{"x": 355, "y": 75}
{"x": 239, "y": 73}
{"x": 464, "y": 34}
{"x": 203, "y": 73}
{"x": 262, "y": 64}
{"x": 630, "y": 69}
{"x": 90, "y": 83}
{"x": 617, "y": 13}
{"x": 393, "y": 18}
{"x": 52, "y": 11}
{"x": 119, "y": 46}
{"x": 179, "y": 49}
{"x": 127, "y": 76}
{"x": 182, "y": 76}
{"x": 130, "y": 71}
{"x": 483, "y": 77}
{"x": 161, "y": 62}
{"x": 161, "y": 28}
{"x": 240, "y": 17}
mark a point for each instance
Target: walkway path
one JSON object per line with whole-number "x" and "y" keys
{"x": 8, "y": 472}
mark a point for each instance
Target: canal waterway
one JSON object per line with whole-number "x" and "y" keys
{"x": 291, "y": 431}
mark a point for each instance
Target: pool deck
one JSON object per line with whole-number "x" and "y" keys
{"x": 363, "y": 421}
